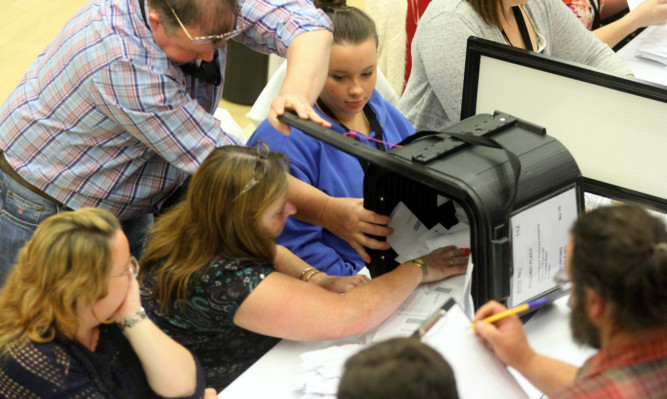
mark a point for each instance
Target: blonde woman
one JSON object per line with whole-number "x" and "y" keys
{"x": 72, "y": 325}
{"x": 209, "y": 279}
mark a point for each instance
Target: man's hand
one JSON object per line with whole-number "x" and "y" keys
{"x": 298, "y": 105}
{"x": 348, "y": 219}
{"x": 505, "y": 337}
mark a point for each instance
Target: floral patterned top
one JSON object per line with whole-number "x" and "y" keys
{"x": 585, "y": 10}
{"x": 205, "y": 324}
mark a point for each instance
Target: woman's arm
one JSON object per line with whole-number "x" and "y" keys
{"x": 647, "y": 13}
{"x": 345, "y": 217}
{"x": 170, "y": 368}
{"x": 285, "y": 307}
{"x": 288, "y": 263}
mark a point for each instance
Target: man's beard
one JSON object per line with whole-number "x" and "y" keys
{"x": 583, "y": 331}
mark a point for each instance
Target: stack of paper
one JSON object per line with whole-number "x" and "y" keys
{"x": 654, "y": 44}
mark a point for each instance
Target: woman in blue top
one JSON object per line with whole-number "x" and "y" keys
{"x": 349, "y": 101}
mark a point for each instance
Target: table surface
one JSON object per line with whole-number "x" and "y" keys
{"x": 275, "y": 375}
{"x": 644, "y": 69}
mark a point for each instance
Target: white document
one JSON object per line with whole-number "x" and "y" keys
{"x": 478, "y": 372}
{"x": 320, "y": 371}
{"x": 422, "y": 303}
{"x": 406, "y": 228}
{"x": 539, "y": 237}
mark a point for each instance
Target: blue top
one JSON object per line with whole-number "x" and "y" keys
{"x": 66, "y": 369}
{"x": 336, "y": 173}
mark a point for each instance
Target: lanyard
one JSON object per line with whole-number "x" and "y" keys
{"x": 372, "y": 120}
{"x": 595, "y": 5}
{"x": 523, "y": 29}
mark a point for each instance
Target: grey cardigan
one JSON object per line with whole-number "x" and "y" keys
{"x": 432, "y": 97}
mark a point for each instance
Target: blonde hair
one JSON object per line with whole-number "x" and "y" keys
{"x": 66, "y": 261}
{"x": 212, "y": 222}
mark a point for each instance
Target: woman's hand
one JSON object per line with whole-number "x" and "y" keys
{"x": 446, "y": 262}
{"x": 649, "y": 13}
{"x": 339, "y": 284}
{"x": 348, "y": 219}
{"x": 210, "y": 393}
{"x": 132, "y": 302}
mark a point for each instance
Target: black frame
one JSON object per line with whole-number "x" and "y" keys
{"x": 478, "y": 48}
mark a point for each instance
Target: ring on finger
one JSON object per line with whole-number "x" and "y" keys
{"x": 451, "y": 262}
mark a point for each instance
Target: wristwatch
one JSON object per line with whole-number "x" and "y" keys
{"x": 133, "y": 319}
{"x": 420, "y": 264}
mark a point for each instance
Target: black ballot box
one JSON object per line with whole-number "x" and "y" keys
{"x": 491, "y": 171}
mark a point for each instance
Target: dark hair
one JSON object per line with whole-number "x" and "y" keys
{"x": 397, "y": 368}
{"x": 351, "y": 25}
{"x": 621, "y": 252}
{"x": 489, "y": 10}
{"x": 212, "y": 17}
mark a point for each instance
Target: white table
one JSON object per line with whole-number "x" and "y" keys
{"x": 644, "y": 69}
{"x": 274, "y": 376}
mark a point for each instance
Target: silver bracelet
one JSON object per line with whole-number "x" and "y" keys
{"x": 132, "y": 320}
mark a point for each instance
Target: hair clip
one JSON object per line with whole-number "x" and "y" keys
{"x": 660, "y": 247}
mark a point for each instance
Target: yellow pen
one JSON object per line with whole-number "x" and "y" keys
{"x": 521, "y": 308}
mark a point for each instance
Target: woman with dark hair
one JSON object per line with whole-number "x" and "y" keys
{"x": 209, "y": 279}
{"x": 432, "y": 97}
{"x": 351, "y": 104}
{"x": 74, "y": 279}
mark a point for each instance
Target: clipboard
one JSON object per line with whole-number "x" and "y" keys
{"x": 446, "y": 331}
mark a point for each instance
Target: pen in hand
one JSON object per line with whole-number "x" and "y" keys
{"x": 521, "y": 308}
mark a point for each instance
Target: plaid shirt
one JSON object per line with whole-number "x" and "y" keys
{"x": 102, "y": 118}
{"x": 633, "y": 371}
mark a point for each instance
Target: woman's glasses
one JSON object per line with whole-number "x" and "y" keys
{"x": 207, "y": 39}
{"x": 259, "y": 171}
{"x": 132, "y": 268}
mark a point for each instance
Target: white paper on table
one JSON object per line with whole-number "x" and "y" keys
{"x": 406, "y": 227}
{"x": 423, "y": 302}
{"x": 478, "y": 372}
{"x": 320, "y": 371}
{"x": 654, "y": 44}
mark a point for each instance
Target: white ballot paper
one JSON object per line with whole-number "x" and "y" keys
{"x": 478, "y": 372}
{"x": 410, "y": 240}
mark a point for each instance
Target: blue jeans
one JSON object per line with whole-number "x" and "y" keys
{"x": 21, "y": 210}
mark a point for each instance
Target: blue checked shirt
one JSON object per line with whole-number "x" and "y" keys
{"x": 102, "y": 118}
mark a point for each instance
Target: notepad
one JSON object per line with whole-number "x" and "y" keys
{"x": 478, "y": 372}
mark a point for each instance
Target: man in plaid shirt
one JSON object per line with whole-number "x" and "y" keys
{"x": 617, "y": 264}
{"x": 117, "y": 111}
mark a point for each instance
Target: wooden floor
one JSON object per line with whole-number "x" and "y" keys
{"x": 27, "y": 26}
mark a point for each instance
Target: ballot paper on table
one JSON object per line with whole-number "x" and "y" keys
{"x": 411, "y": 239}
{"x": 477, "y": 370}
{"x": 654, "y": 44}
{"x": 320, "y": 371}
